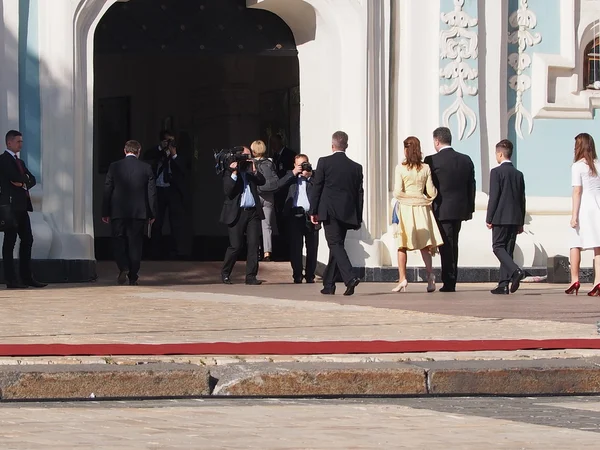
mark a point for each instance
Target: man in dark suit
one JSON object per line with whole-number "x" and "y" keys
{"x": 242, "y": 213}
{"x": 301, "y": 229}
{"x": 337, "y": 201}
{"x": 453, "y": 175}
{"x": 169, "y": 174}
{"x": 506, "y": 215}
{"x": 129, "y": 204}
{"x": 15, "y": 182}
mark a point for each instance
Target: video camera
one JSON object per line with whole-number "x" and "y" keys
{"x": 225, "y": 157}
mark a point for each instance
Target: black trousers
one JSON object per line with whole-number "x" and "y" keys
{"x": 23, "y": 230}
{"x": 247, "y": 222}
{"x": 128, "y": 240}
{"x": 169, "y": 198}
{"x": 301, "y": 231}
{"x": 449, "y": 251}
{"x": 339, "y": 263}
{"x": 504, "y": 238}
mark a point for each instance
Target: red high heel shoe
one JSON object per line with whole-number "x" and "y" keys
{"x": 595, "y": 292}
{"x": 575, "y": 288}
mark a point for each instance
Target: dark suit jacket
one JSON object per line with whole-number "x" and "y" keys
{"x": 233, "y": 195}
{"x": 292, "y": 192}
{"x": 176, "y": 178}
{"x": 11, "y": 194}
{"x": 338, "y": 190}
{"x": 284, "y": 161}
{"x": 453, "y": 175}
{"x": 129, "y": 190}
{"x": 506, "y": 205}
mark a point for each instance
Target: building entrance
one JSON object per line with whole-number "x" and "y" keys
{"x": 214, "y": 73}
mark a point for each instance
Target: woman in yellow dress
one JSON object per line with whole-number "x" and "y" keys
{"x": 417, "y": 228}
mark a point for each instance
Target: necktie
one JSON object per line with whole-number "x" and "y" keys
{"x": 22, "y": 170}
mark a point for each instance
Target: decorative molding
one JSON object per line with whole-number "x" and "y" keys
{"x": 556, "y": 93}
{"x": 459, "y": 44}
{"x": 523, "y": 20}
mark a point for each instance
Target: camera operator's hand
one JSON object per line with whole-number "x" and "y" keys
{"x": 306, "y": 174}
{"x": 297, "y": 170}
{"x": 172, "y": 150}
{"x": 234, "y": 166}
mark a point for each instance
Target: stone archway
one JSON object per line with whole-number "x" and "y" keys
{"x": 337, "y": 49}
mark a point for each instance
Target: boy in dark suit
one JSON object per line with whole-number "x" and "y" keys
{"x": 506, "y": 216}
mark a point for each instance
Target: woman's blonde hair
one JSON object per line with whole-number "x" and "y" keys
{"x": 259, "y": 149}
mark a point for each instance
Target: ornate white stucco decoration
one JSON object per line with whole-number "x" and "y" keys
{"x": 523, "y": 20}
{"x": 459, "y": 44}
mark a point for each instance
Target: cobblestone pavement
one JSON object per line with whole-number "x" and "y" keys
{"x": 188, "y": 312}
{"x": 448, "y": 423}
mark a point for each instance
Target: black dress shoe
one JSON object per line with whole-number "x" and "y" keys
{"x": 351, "y": 286}
{"x": 297, "y": 280}
{"x": 515, "y": 280}
{"x": 253, "y": 282}
{"x": 227, "y": 280}
{"x": 34, "y": 283}
{"x": 15, "y": 285}
{"x": 310, "y": 280}
{"x": 502, "y": 290}
{"x": 328, "y": 290}
{"x": 122, "y": 278}
{"x": 447, "y": 289}
{"x": 133, "y": 283}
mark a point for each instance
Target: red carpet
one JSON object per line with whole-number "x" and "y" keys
{"x": 295, "y": 348}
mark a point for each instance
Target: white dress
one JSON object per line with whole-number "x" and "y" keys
{"x": 587, "y": 234}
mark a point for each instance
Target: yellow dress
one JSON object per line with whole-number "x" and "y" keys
{"x": 417, "y": 227}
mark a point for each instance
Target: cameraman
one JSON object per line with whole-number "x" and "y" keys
{"x": 242, "y": 213}
{"x": 301, "y": 230}
{"x": 170, "y": 192}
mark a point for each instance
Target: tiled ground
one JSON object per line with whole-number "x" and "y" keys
{"x": 499, "y": 423}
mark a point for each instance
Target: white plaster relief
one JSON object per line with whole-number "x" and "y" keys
{"x": 459, "y": 44}
{"x": 557, "y": 92}
{"x": 523, "y": 20}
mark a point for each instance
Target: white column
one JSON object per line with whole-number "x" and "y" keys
{"x": 416, "y": 79}
{"x": 493, "y": 78}
{"x": 9, "y": 66}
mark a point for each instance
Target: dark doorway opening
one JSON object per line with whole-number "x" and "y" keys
{"x": 215, "y": 73}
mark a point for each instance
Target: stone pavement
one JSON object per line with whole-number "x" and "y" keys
{"x": 497, "y": 423}
{"x": 185, "y": 303}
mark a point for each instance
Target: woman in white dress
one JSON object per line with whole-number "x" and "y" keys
{"x": 585, "y": 216}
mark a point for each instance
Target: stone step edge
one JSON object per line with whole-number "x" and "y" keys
{"x": 578, "y": 376}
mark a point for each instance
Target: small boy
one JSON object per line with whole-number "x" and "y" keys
{"x": 506, "y": 216}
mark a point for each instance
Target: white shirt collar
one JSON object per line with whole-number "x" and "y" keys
{"x": 14, "y": 155}
{"x": 129, "y": 154}
{"x": 506, "y": 161}
{"x": 444, "y": 148}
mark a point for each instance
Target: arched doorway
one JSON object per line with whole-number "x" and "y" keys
{"x": 338, "y": 92}
{"x": 214, "y": 73}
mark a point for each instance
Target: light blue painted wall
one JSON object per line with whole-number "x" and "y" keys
{"x": 546, "y": 155}
{"x": 471, "y": 145}
{"x": 29, "y": 85}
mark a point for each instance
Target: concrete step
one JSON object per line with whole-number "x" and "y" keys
{"x": 577, "y": 376}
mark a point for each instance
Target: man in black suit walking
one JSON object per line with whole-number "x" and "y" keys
{"x": 506, "y": 215}
{"x": 16, "y": 181}
{"x": 129, "y": 204}
{"x": 242, "y": 213}
{"x": 296, "y": 208}
{"x": 453, "y": 175}
{"x": 337, "y": 201}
